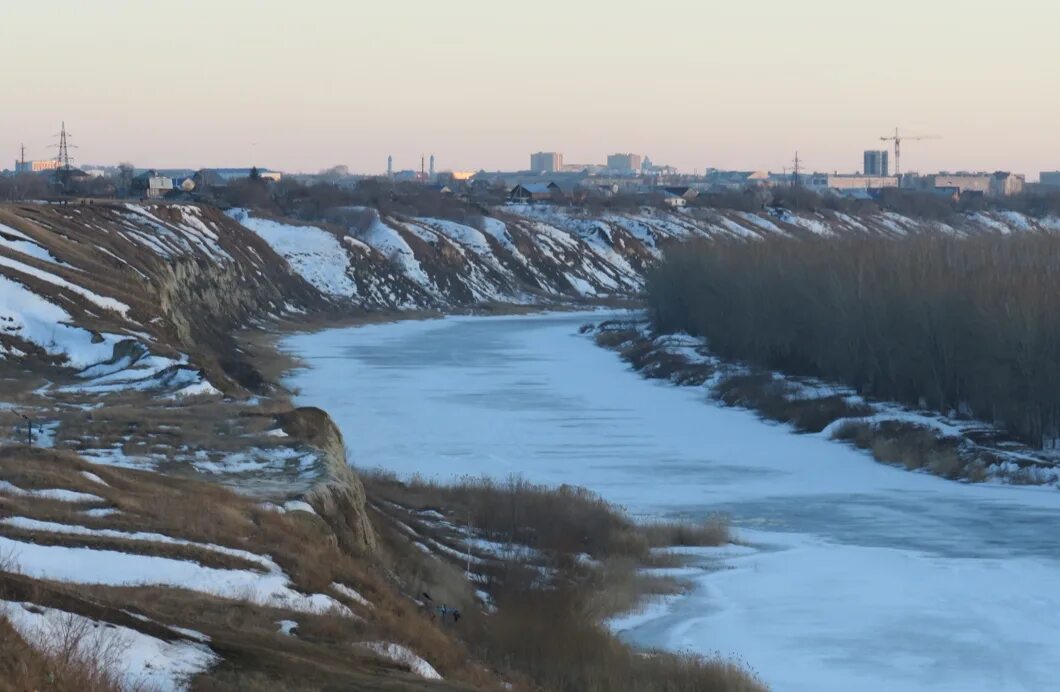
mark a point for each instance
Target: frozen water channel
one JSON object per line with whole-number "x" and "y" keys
{"x": 857, "y": 577}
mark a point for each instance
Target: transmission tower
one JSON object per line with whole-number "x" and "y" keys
{"x": 796, "y": 180}
{"x": 63, "y": 159}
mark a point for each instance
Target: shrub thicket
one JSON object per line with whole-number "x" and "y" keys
{"x": 965, "y": 325}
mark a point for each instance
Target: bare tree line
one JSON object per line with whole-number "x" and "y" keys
{"x": 965, "y": 326}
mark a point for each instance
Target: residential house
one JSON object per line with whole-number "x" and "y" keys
{"x": 526, "y": 193}
{"x": 152, "y": 185}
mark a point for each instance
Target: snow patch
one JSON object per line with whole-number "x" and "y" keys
{"x": 404, "y": 656}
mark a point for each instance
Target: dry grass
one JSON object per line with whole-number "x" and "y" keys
{"x": 203, "y": 556}
{"x": 910, "y": 446}
{"x": 246, "y": 635}
{"x": 620, "y": 585}
{"x": 773, "y": 399}
{"x": 72, "y": 657}
{"x": 559, "y": 622}
{"x": 546, "y": 636}
{"x": 613, "y": 338}
{"x": 549, "y": 636}
{"x": 567, "y": 519}
{"x": 715, "y": 531}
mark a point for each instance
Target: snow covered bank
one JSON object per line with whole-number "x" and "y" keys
{"x": 962, "y": 449}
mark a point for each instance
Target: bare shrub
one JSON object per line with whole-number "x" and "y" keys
{"x": 773, "y": 399}
{"x": 714, "y": 531}
{"x": 67, "y": 654}
{"x": 911, "y": 446}
{"x": 930, "y": 321}
{"x": 82, "y": 649}
{"x": 8, "y": 562}
{"x": 564, "y": 520}
{"x": 356, "y": 220}
{"x": 612, "y": 338}
{"x": 546, "y": 636}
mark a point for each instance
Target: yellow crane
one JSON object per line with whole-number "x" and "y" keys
{"x": 898, "y": 138}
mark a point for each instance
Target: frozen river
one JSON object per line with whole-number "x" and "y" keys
{"x": 858, "y": 576}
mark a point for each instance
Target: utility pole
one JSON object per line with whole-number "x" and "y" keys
{"x": 29, "y": 427}
{"x": 795, "y": 173}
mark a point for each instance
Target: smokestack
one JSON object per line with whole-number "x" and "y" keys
{"x": 432, "y": 166}
{"x": 390, "y": 166}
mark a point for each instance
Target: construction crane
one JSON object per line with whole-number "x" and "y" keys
{"x": 898, "y": 139}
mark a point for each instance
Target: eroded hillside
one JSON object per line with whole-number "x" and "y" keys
{"x": 118, "y": 349}
{"x": 154, "y": 292}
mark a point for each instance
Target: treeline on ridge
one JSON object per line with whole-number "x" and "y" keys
{"x": 967, "y": 326}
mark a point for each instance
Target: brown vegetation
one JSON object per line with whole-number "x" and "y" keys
{"x": 910, "y": 446}
{"x": 244, "y": 634}
{"x": 76, "y": 658}
{"x": 549, "y": 636}
{"x": 957, "y": 325}
{"x": 546, "y": 635}
{"x": 773, "y": 399}
{"x": 568, "y": 519}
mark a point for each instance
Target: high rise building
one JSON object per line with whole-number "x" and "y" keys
{"x": 1049, "y": 179}
{"x": 878, "y": 163}
{"x": 625, "y": 163}
{"x": 546, "y": 162}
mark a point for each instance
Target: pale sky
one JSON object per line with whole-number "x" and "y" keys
{"x": 300, "y": 85}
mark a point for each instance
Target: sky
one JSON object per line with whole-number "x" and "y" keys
{"x": 302, "y": 86}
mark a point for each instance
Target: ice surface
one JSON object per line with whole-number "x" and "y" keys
{"x": 859, "y": 576}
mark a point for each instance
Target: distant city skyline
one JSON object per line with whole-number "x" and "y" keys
{"x": 306, "y": 86}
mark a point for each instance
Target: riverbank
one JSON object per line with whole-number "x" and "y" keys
{"x": 845, "y": 576}
{"x": 350, "y": 564}
{"x": 525, "y": 579}
{"x": 955, "y": 448}
{"x": 121, "y": 348}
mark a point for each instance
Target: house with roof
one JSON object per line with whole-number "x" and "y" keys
{"x": 527, "y": 193}
{"x": 151, "y": 185}
{"x": 679, "y": 195}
